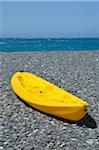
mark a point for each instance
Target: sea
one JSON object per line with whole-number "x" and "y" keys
{"x": 48, "y": 44}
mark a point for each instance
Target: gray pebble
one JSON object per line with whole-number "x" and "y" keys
{"x": 90, "y": 141}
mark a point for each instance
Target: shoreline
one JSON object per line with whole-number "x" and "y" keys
{"x": 48, "y": 51}
{"x": 25, "y": 128}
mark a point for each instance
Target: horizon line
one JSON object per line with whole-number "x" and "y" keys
{"x": 49, "y": 37}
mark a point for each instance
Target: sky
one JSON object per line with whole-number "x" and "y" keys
{"x": 30, "y": 19}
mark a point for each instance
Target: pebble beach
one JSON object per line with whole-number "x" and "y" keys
{"x": 23, "y": 128}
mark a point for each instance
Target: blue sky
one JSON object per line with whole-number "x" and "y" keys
{"x": 49, "y": 19}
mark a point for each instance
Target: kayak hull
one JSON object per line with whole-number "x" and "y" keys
{"x": 48, "y": 98}
{"x": 61, "y": 112}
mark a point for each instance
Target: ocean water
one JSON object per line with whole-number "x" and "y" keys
{"x": 58, "y": 44}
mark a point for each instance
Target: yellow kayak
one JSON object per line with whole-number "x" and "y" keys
{"x": 47, "y": 97}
